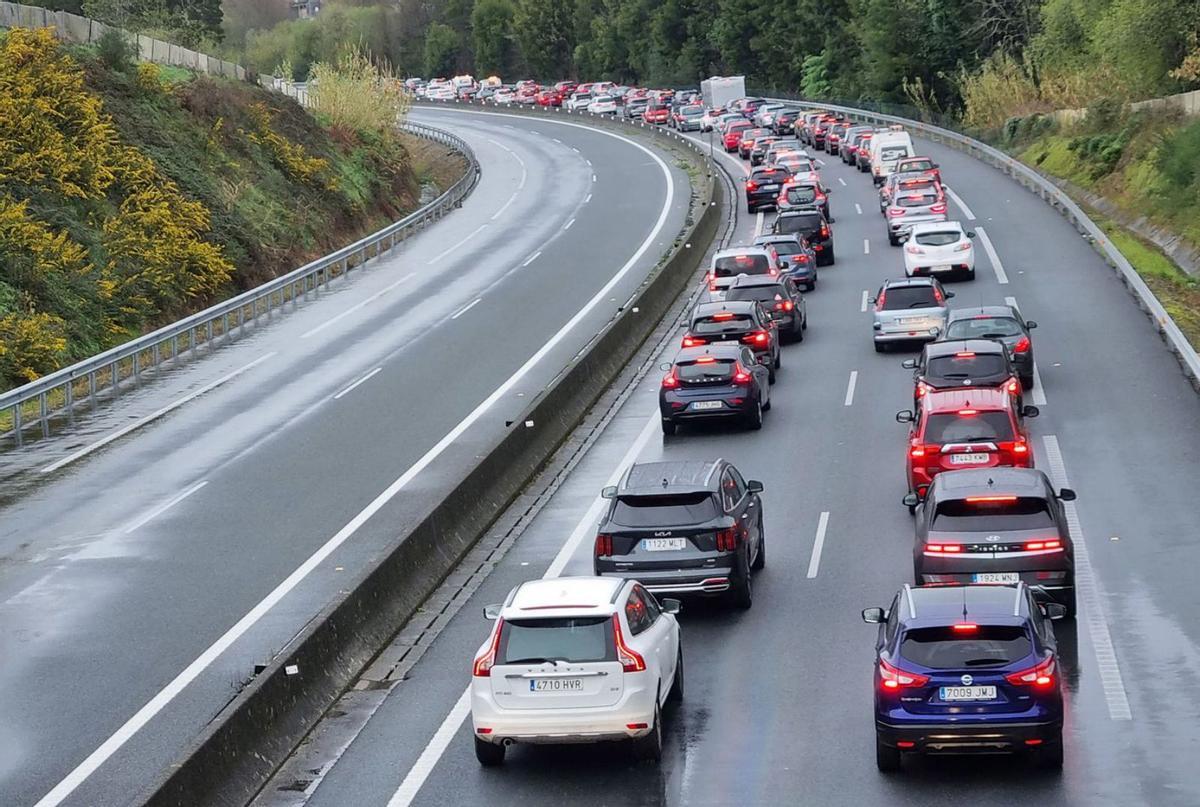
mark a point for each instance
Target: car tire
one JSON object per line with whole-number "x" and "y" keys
{"x": 798, "y": 334}
{"x": 675, "y": 696}
{"x": 812, "y": 284}
{"x": 1027, "y": 381}
{"x": 892, "y": 240}
{"x": 489, "y": 754}
{"x": 754, "y": 420}
{"x": 887, "y": 758}
{"x": 1070, "y": 601}
{"x": 751, "y": 208}
{"x": 742, "y": 594}
{"x": 761, "y": 560}
{"x": 778, "y": 359}
{"x": 880, "y": 347}
{"x": 1050, "y": 755}
{"x": 669, "y": 427}
{"x": 650, "y": 747}
{"x": 830, "y": 258}
{"x": 970, "y": 274}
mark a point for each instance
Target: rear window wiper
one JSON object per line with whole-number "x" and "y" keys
{"x": 976, "y": 662}
{"x": 535, "y": 660}
{"x": 925, "y": 304}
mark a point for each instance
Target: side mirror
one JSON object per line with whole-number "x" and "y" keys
{"x": 910, "y": 500}
{"x": 873, "y": 300}
{"x": 754, "y": 486}
{"x": 1054, "y": 610}
{"x": 1067, "y": 495}
{"x": 909, "y": 364}
{"x": 905, "y": 416}
{"x": 609, "y": 492}
{"x": 493, "y": 611}
{"x": 1030, "y": 411}
{"x": 949, "y": 295}
{"x": 970, "y": 233}
{"x": 873, "y": 616}
{"x": 666, "y": 365}
{"x": 1030, "y": 324}
{"x": 671, "y": 606}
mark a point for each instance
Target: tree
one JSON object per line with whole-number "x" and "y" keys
{"x": 495, "y": 42}
{"x": 441, "y": 50}
{"x": 544, "y": 32}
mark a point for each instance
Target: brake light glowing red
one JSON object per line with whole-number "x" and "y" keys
{"x": 1014, "y": 386}
{"x": 670, "y": 380}
{"x": 894, "y": 678}
{"x": 895, "y": 212}
{"x": 943, "y": 548}
{"x": 724, "y": 315}
{"x": 631, "y": 660}
{"x": 693, "y": 341}
{"x": 705, "y": 360}
{"x": 965, "y": 354}
{"x": 940, "y": 207}
{"x": 756, "y": 338}
{"x": 965, "y": 627}
{"x": 968, "y": 412}
{"x": 740, "y": 376}
{"x": 990, "y": 499}
{"x": 487, "y": 659}
{"x": 727, "y": 540}
{"x": 604, "y": 545}
{"x": 1040, "y": 676}
{"x": 824, "y": 231}
{"x": 1019, "y": 447}
{"x": 751, "y": 185}
{"x": 1022, "y": 345}
{"x": 1034, "y": 546}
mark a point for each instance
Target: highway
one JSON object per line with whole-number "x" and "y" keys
{"x": 777, "y": 708}
{"x": 142, "y": 578}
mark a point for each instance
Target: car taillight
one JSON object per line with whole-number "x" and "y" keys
{"x": 1013, "y": 386}
{"x": 604, "y": 545}
{"x": 820, "y": 198}
{"x": 963, "y": 247}
{"x": 788, "y": 305}
{"x": 485, "y": 660}
{"x": 940, "y": 207}
{"x": 895, "y": 212}
{"x": 802, "y": 258}
{"x": 937, "y": 295}
{"x": 670, "y": 380}
{"x": 943, "y": 549}
{"x": 727, "y": 540}
{"x": 1020, "y": 448}
{"x": 894, "y": 678}
{"x": 913, "y": 249}
{"x": 631, "y": 660}
{"x": 922, "y": 389}
{"x": 740, "y": 376}
{"x": 879, "y": 300}
{"x": 751, "y": 185}
{"x": 1035, "y": 546}
{"x": 824, "y": 231}
{"x": 756, "y": 338}
{"x": 1040, "y": 676}
{"x": 693, "y": 341}
{"x": 1022, "y": 345}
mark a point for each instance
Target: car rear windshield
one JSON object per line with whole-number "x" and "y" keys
{"x": 576, "y": 639}
{"x": 798, "y": 224}
{"x": 983, "y": 328}
{"x": 892, "y": 152}
{"x": 940, "y": 238}
{"x": 731, "y": 265}
{"x": 956, "y": 428}
{"x": 764, "y": 294}
{"x": 705, "y": 372}
{"x": 1017, "y": 513}
{"x": 899, "y": 298}
{"x": 918, "y": 165}
{"x": 692, "y": 111}
{"x": 966, "y": 365}
{"x": 673, "y": 509}
{"x": 915, "y": 199}
{"x": 787, "y": 247}
{"x": 802, "y": 194}
{"x": 950, "y": 649}
{"x": 771, "y": 175}
{"x": 708, "y": 326}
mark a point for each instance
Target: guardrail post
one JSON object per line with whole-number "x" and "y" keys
{"x": 92, "y": 390}
{"x": 137, "y": 367}
{"x": 18, "y": 427}
{"x": 114, "y": 379}
{"x": 209, "y": 336}
{"x": 70, "y": 400}
{"x": 175, "y": 349}
{"x": 44, "y": 410}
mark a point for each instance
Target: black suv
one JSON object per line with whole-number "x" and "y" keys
{"x": 683, "y": 527}
{"x": 745, "y": 322}
{"x": 785, "y": 121}
{"x": 995, "y": 525}
{"x": 781, "y": 299}
{"x": 813, "y": 227}
{"x": 956, "y": 363}
{"x": 798, "y": 259}
{"x": 1003, "y": 323}
{"x": 763, "y": 186}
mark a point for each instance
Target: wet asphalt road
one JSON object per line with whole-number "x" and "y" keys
{"x": 778, "y": 703}
{"x": 127, "y": 565}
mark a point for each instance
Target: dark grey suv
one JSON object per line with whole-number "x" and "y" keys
{"x": 1002, "y": 323}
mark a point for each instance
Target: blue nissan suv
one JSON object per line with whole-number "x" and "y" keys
{"x": 965, "y": 669}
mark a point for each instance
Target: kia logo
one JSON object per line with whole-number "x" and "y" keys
{"x": 967, "y": 680}
{"x": 665, "y": 533}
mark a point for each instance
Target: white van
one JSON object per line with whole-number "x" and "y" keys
{"x": 888, "y": 148}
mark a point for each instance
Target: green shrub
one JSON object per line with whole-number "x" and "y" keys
{"x": 116, "y": 51}
{"x": 1179, "y": 155}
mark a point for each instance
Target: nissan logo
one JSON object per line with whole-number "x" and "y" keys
{"x": 967, "y": 680}
{"x": 993, "y": 539}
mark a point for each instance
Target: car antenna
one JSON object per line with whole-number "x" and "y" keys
{"x": 665, "y": 483}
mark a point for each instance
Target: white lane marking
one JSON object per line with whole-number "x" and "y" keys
{"x": 589, "y": 165}
{"x": 1038, "y": 394}
{"x": 574, "y": 149}
{"x": 587, "y": 199}
{"x": 524, "y": 176}
{"x": 865, "y": 299}
{"x": 758, "y": 224}
{"x": 498, "y": 143}
{"x": 1001, "y": 277}
{"x": 567, "y": 226}
{"x": 168, "y": 693}
{"x": 958, "y": 201}
{"x": 415, "y": 779}
{"x": 1088, "y": 591}
{"x": 593, "y": 177}
{"x": 352, "y": 387}
{"x": 456, "y": 245}
{"x": 815, "y": 563}
{"x": 164, "y": 507}
{"x": 137, "y": 424}
{"x": 556, "y": 140}
{"x": 842, "y": 181}
{"x": 532, "y": 258}
{"x": 858, "y": 208}
{"x": 355, "y": 307}
{"x": 850, "y": 387}
{"x": 466, "y": 308}
{"x": 866, "y": 246}
{"x": 504, "y": 207}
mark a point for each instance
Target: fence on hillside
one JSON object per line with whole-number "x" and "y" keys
{"x": 73, "y": 28}
{"x": 1186, "y": 102}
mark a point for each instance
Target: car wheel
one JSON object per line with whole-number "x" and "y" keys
{"x": 676, "y": 694}
{"x": 668, "y": 427}
{"x": 892, "y": 240}
{"x": 880, "y": 347}
{"x": 798, "y": 333}
{"x": 489, "y": 754}
{"x": 970, "y": 274}
{"x": 742, "y": 594}
{"x": 755, "y": 418}
{"x": 812, "y": 284}
{"x": 761, "y": 560}
{"x": 829, "y": 258}
{"x": 751, "y": 208}
{"x": 804, "y": 323}
{"x": 1027, "y": 381}
{"x": 887, "y": 758}
{"x": 1069, "y": 601}
{"x": 778, "y": 358}
{"x": 771, "y": 374}
{"x": 650, "y": 747}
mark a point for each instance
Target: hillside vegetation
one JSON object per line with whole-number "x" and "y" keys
{"x": 131, "y": 195}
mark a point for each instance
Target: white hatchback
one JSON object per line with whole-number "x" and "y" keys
{"x": 576, "y": 660}
{"x": 939, "y": 249}
{"x": 603, "y": 105}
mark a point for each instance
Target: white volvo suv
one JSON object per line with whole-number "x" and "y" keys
{"x": 576, "y": 660}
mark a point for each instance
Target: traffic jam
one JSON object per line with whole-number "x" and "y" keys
{"x": 965, "y": 657}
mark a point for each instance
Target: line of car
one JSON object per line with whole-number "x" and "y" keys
{"x": 966, "y": 659}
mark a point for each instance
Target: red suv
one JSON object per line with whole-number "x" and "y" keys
{"x": 733, "y": 134}
{"x": 965, "y": 428}
{"x": 656, "y": 113}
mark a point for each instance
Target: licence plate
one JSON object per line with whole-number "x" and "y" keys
{"x": 968, "y": 459}
{"x": 945, "y": 267}
{"x": 995, "y": 577}
{"x": 770, "y": 187}
{"x": 910, "y": 320}
{"x": 556, "y": 685}
{"x": 663, "y": 544}
{"x": 981, "y": 693}
{"x": 697, "y": 406}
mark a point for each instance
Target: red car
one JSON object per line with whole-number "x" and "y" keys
{"x": 965, "y": 428}
{"x": 549, "y": 97}
{"x": 656, "y": 113}
{"x": 565, "y": 88}
{"x": 733, "y": 134}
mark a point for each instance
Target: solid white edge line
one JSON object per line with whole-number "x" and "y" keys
{"x": 130, "y": 727}
{"x": 532, "y": 258}
{"x": 958, "y": 201}
{"x": 842, "y": 181}
{"x": 1087, "y": 590}
{"x": 866, "y": 246}
{"x": 567, "y": 226}
{"x": 504, "y": 207}
{"x": 587, "y": 199}
{"x": 858, "y": 208}
{"x": 466, "y": 308}
{"x": 355, "y": 307}
{"x": 758, "y": 224}
{"x": 353, "y": 386}
{"x": 455, "y": 246}
{"x": 1001, "y": 277}
{"x": 164, "y": 507}
{"x": 1039, "y": 393}
{"x": 865, "y": 299}
{"x": 814, "y": 564}
{"x": 416, "y": 776}
{"x": 137, "y": 424}
{"x": 850, "y": 385}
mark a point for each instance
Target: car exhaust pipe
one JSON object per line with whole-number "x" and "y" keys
{"x": 507, "y": 741}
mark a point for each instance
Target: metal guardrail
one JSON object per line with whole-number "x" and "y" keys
{"x": 59, "y": 393}
{"x": 1059, "y": 200}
